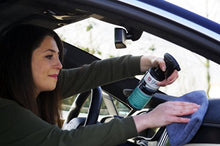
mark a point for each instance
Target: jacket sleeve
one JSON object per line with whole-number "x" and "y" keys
{"x": 20, "y": 127}
{"x": 77, "y": 80}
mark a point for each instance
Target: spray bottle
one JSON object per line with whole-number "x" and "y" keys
{"x": 148, "y": 84}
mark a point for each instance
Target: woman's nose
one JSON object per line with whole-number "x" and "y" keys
{"x": 59, "y": 64}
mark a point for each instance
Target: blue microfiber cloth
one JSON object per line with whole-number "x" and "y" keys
{"x": 181, "y": 133}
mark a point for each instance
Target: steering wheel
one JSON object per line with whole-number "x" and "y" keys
{"x": 73, "y": 121}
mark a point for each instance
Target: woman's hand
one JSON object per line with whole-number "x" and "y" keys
{"x": 147, "y": 62}
{"x": 170, "y": 79}
{"x": 164, "y": 114}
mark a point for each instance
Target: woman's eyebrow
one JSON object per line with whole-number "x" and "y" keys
{"x": 51, "y": 50}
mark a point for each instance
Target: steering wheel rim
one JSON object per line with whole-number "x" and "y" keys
{"x": 73, "y": 121}
{"x": 94, "y": 107}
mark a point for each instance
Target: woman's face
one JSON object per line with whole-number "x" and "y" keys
{"x": 46, "y": 65}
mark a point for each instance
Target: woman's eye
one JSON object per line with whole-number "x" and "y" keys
{"x": 49, "y": 56}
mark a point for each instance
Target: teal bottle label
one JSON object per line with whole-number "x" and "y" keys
{"x": 138, "y": 99}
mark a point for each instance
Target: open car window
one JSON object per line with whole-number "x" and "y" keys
{"x": 97, "y": 38}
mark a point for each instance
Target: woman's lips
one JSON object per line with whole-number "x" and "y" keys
{"x": 55, "y": 76}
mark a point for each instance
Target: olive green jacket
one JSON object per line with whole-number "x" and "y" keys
{"x": 20, "y": 127}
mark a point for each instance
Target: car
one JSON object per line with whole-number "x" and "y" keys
{"x": 189, "y": 34}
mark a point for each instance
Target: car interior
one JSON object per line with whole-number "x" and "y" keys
{"x": 128, "y": 27}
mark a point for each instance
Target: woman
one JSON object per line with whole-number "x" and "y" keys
{"x": 33, "y": 82}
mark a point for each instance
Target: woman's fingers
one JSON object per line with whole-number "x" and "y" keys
{"x": 170, "y": 79}
{"x": 179, "y": 120}
{"x": 161, "y": 63}
{"x": 183, "y": 108}
{"x": 164, "y": 114}
{"x": 172, "y": 111}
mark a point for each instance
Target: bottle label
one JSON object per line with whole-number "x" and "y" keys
{"x": 138, "y": 99}
{"x": 150, "y": 82}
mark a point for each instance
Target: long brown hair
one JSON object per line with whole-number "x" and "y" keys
{"x": 16, "y": 80}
